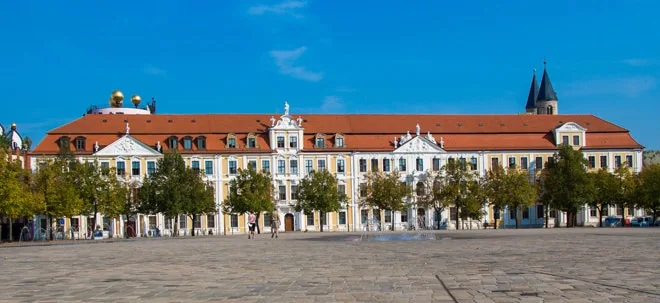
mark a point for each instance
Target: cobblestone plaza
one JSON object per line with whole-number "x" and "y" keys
{"x": 555, "y": 265}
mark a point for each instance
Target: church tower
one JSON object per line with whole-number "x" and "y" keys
{"x": 530, "y": 107}
{"x": 546, "y": 101}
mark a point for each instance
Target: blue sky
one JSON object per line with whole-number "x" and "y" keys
{"x": 340, "y": 56}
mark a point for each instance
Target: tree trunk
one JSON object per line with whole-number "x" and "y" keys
{"x": 458, "y": 216}
{"x": 49, "y": 221}
{"x": 321, "y": 214}
{"x": 257, "y": 222}
{"x": 193, "y": 225}
{"x": 176, "y": 226}
{"x": 517, "y": 216}
{"x": 497, "y": 212}
{"x": 655, "y": 217}
{"x": 546, "y": 212}
{"x": 96, "y": 211}
{"x": 11, "y": 229}
{"x": 600, "y": 215}
{"x": 437, "y": 211}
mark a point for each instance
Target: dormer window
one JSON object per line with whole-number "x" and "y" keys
{"x": 251, "y": 140}
{"x": 201, "y": 143}
{"x": 231, "y": 140}
{"x": 293, "y": 142}
{"x": 320, "y": 140}
{"x": 187, "y": 143}
{"x": 65, "y": 143}
{"x": 280, "y": 141}
{"x": 339, "y": 140}
{"x": 80, "y": 143}
{"x": 173, "y": 142}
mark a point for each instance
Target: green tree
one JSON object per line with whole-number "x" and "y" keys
{"x": 476, "y": 199}
{"x": 496, "y": 190}
{"x": 566, "y": 184}
{"x": 386, "y": 192}
{"x": 648, "y": 190}
{"x": 56, "y": 192}
{"x": 200, "y": 196}
{"x": 318, "y": 191}
{"x": 431, "y": 193}
{"x": 250, "y": 192}
{"x": 90, "y": 186}
{"x": 520, "y": 192}
{"x": 16, "y": 199}
{"x": 456, "y": 185}
{"x": 603, "y": 191}
{"x": 624, "y": 190}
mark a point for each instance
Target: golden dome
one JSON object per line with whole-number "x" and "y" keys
{"x": 116, "y": 99}
{"x": 136, "y": 100}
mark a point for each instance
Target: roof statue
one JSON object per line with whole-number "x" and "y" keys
{"x": 300, "y": 120}
{"x": 128, "y": 129}
{"x": 430, "y": 137}
{"x": 442, "y": 142}
{"x": 396, "y": 143}
{"x": 418, "y": 129}
{"x": 286, "y": 108}
{"x": 96, "y": 146}
{"x": 272, "y": 121}
{"x": 158, "y": 147}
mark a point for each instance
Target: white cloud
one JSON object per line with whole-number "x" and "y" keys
{"x": 640, "y": 62}
{"x": 629, "y": 87}
{"x": 332, "y": 104}
{"x": 285, "y": 8}
{"x": 285, "y": 59}
{"x": 152, "y": 70}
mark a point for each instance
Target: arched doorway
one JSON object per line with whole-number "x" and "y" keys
{"x": 421, "y": 218}
{"x": 288, "y": 222}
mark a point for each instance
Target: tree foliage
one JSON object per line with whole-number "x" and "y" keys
{"x": 201, "y": 198}
{"x": 250, "y": 192}
{"x": 16, "y": 199}
{"x": 431, "y": 193}
{"x": 318, "y": 191}
{"x": 463, "y": 189}
{"x": 648, "y": 190}
{"x": 603, "y": 187}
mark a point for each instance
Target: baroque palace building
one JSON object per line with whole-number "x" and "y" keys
{"x": 290, "y": 145}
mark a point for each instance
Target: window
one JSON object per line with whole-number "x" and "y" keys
{"x": 252, "y": 165}
{"x": 234, "y": 221}
{"x": 281, "y": 167}
{"x": 603, "y": 161}
{"x": 539, "y": 212}
{"x": 321, "y": 164}
{"x": 168, "y": 223}
{"x": 268, "y": 219}
{"x": 293, "y": 142}
{"x": 523, "y": 163}
{"x": 364, "y": 216}
{"x": 473, "y": 163}
{"x": 121, "y": 168}
{"x": 151, "y": 168}
{"x": 419, "y": 164}
{"x": 198, "y": 221}
{"x": 341, "y": 188}
{"x": 339, "y": 140}
{"x": 75, "y": 224}
{"x": 195, "y": 165}
{"x": 402, "y": 164}
{"x": 386, "y": 165}
{"x": 564, "y": 140}
{"x": 629, "y": 161}
{"x": 208, "y": 167}
{"x": 388, "y": 216}
{"x": 231, "y": 141}
{"x": 376, "y": 215}
{"x": 576, "y": 140}
{"x": 436, "y": 164}
{"x": 80, "y": 143}
{"x": 462, "y": 161}
{"x": 512, "y": 162}
{"x": 631, "y": 211}
{"x": 404, "y": 217}
{"x": 363, "y": 165}
{"x": 617, "y": 161}
{"x": 183, "y": 222}
{"x": 605, "y": 210}
{"x": 265, "y": 166}
{"x": 342, "y": 217}
{"x": 293, "y": 166}
{"x": 496, "y": 214}
{"x": 65, "y": 143}
{"x": 309, "y": 166}
{"x": 550, "y": 160}
{"x": 294, "y": 192}
{"x": 320, "y": 141}
{"x": 173, "y": 142}
{"x": 512, "y": 214}
{"x": 135, "y": 168}
{"x": 552, "y": 214}
{"x": 187, "y": 143}
{"x": 539, "y": 163}
{"x": 340, "y": 166}
{"x": 494, "y": 162}
{"x": 251, "y": 141}
{"x": 105, "y": 168}
{"x": 280, "y": 142}
{"x": 619, "y": 211}
{"x": 593, "y": 212}
{"x": 453, "y": 214}
{"x": 201, "y": 143}
{"x": 525, "y": 213}
{"x": 374, "y": 165}
{"x": 363, "y": 189}
{"x": 232, "y": 167}
{"x": 282, "y": 192}
{"x": 210, "y": 221}
{"x": 592, "y": 162}
{"x": 310, "y": 219}
{"x": 323, "y": 219}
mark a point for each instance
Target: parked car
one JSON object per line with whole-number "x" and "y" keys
{"x": 612, "y": 222}
{"x": 641, "y": 222}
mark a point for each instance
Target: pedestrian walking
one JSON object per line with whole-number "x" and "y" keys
{"x": 252, "y": 224}
{"x": 274, "y": 224}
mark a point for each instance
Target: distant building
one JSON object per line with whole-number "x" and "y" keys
{"x": 290, "y": 145}
{"x": 651, "y": 157}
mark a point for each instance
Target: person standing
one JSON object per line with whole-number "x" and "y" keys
{"x": 252, "y": 224}
{"x": 274, "y": 224}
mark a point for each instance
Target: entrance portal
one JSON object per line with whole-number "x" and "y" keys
{"x": 288, "y": 222}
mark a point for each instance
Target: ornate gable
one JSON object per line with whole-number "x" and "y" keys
{"x": 127, "y": 146}
{"x": 419, "y": 144}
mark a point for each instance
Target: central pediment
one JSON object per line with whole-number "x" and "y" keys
{"x": 419, "y": 144}
{"x": 127, "y": 146}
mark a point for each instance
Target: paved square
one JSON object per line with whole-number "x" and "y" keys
{"x": 556, "y": 265}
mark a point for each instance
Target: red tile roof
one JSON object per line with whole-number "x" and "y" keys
{"x": 364, "y": 132}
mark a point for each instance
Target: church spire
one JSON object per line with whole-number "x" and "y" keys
{"x": 533, "y": 93}
{"x": 546, "y": 92}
